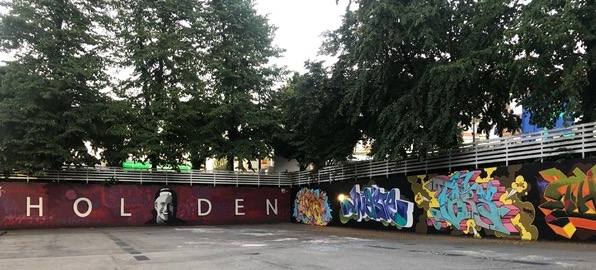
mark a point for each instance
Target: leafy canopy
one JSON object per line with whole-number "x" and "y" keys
{"x": 50, "y": 93}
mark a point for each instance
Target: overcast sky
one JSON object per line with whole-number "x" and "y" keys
{"x": 300, "y": 24}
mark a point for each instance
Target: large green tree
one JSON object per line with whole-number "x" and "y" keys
{"x": 240, "y": 80}
{"x": 416, "y": 73}
{"x": 50, "y": 92}
{"x": 554, "y": 44}
{"x": 164, "y": 42}
{"x": 312, "y": 129}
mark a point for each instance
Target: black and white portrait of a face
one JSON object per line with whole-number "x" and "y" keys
{"x": 165, "y": 206}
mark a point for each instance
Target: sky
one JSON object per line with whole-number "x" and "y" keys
{"x": 300, "y": 24}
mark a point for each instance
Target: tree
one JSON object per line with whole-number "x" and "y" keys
{"x": 416, "y": 73}
{"x": 50, "y": 93}
{"x": 313, "y": 131}
{"x": 240, "y": 80}
{"x": 164, "y": 42}
{"x": 555, "y": 47}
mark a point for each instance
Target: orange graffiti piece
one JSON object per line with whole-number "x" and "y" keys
{"x": 570, "y": 201}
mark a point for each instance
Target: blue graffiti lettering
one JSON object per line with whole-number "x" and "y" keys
{"x": 373, "y": 203}
{"x": 462, "y": 199}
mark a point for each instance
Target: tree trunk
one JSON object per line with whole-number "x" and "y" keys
{"x": 232, "y": 137}
{"x": 241, "y": 165}
{"x": 153, "y": 159}
{"x": 303, "y": 166}
{"x": 197, "y": 162}
{"x": 230, "y": 163}
{"x": 250, "y": 165}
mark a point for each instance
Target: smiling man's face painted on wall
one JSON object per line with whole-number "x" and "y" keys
{"x": 164, "y": 206}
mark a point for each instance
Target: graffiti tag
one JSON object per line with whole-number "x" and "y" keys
{"x": 373, "y": 203}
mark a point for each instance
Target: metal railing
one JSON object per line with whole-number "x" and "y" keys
{"x": 578, "y": 139}
{"x": 119, "y": 175}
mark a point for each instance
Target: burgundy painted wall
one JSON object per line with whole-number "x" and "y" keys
{"x": 58, "y": 200}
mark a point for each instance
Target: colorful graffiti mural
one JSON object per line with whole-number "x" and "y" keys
{"x": 373, "y": 203}
{"x": 471, "y": 201}
{"x": 38, "y": 205}
{"x": 311, "y": 206}
{"x": 570, "y": 202}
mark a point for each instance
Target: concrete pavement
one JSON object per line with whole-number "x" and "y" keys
{"x": 277, "y": 246}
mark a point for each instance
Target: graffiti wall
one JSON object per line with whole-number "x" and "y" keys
{"x": 311, "y": 206}
{"x": 525, "y": 202}
{"x": 37, "y": 205}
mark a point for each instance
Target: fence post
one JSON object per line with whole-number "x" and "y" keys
{"x": 476, "y": 155}
{"x": 141, "y": 177}
{"x": 541, "y": 146}
{"x": 356, "y": 170}
{"x": 449, "y": 158}
{"x": 236, "y": 179}
{"x": 191, "y": 177}
{"x": 387, "y": 168}
{"x": 583, "y": 142}
{"x": 406, "y": 167}
{"x": 213, "y": 177}
{"x": 370, "y": 169}
{"x": 279, "y": 179}
{"x": 86, "y": 176}
{"x": 506, "y": 153}
{"x": 166, "y": 178}
{"x": 258, "y": 179}
{"x": 58, "y": 176}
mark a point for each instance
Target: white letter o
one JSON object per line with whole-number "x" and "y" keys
{"x": 75, "y": 207}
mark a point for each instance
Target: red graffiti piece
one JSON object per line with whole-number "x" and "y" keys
{"x": 53, "y": 205}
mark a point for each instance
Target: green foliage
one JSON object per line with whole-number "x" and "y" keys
{"x": 240, "y": 81}
{"x": 163, "y": 41}
{"x": 312, "y": 129}
{"x": 200, "y": 85}
{"x": 418, "y": 72}
{"x": 50, "y": 93}
{"x": 555, "y": 42}
{"x": 410, "y": 76}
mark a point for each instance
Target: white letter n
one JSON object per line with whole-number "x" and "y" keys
{"x": 269, "y": 206}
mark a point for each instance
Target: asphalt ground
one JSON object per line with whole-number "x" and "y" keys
{"x": 277, "y": 246}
